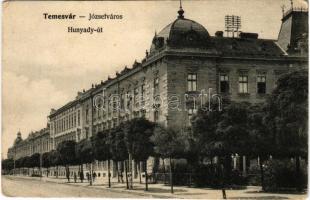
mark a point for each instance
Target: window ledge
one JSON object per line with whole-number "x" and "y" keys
{"x": 225, "y": 93}
{"x": 244, "y": 94}
{"x": 192, "y": 92}
{"x": 261, "y": 95}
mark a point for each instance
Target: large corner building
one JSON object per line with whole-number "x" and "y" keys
{"x": 183, "y": 62}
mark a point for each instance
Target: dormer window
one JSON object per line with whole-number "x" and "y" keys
{"x": 159, "y": 42}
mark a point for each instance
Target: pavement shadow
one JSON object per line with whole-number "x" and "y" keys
{"x": 278, "y": 192}
{"x": 161, "y": 190}
{"x": 264, "y": 197}
{"x": 193, "y": 194}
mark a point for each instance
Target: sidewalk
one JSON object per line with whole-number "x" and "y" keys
{"x": 180, "y": 192}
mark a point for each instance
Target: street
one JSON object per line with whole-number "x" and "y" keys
{"x": 19, "y": 187}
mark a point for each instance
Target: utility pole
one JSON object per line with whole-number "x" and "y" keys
{"x": 292, "y": 4}
{"x": 129, "y": 153}
{"x": 14, "y": 160}
{"x": 41, "y": 158}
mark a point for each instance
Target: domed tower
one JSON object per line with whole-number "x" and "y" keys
{"x": 18, "y": 138}
{"x": 181, "y": 33}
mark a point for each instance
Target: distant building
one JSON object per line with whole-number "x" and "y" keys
{"x": 36, "y": 142}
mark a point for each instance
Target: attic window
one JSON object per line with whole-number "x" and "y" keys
{"x": 263, "y": 47}
{"x": 159, "y": 42}
{"x": 234, "y": 46}
{"x": 191, "y": 37}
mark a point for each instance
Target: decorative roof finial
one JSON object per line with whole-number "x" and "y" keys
{"x": 292, "y": 4}
{"x": 283, "y": 10}
{"x": 181, "y": 11}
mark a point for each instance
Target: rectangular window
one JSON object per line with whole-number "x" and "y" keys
{"x": 74, "y": 122}
{"x": 243, "y": 84}
{"x": 86, "y": 115}
{"x": 191, "y": 82}
{"x": 86, "y": 133}
{"x": 128, "y": 99}
{"x": 156, "y": 85}
{"x": 191, "y": 112}
{"x": 79, "y": 118}
{"x": 136, "y": 96}
{"x": 122, "y": 101}
{"x": 135, "y": 114}
{"x": 156, "y": 115}
{"x": 114, "y": 104}
{"x": 142, "y": 93}
{"x": 224, "y": 83}
{"x": 261, "y": 84}
{"x": 143, "y": 113}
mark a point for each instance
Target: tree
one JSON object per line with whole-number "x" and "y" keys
{"x": 55, "y": 160}
{"x": 287, "y": 110}
{"x": 118, "y": 148}
{"x": 223, "y": 133}
{"x": 27, "y": 163}
{"x": 260, "y": 139}
{"x": 169, "y": 144}
{"x": 232, "y": 134}
{"x": 46, "y": 163}
{"x": 34, "y": 161}
{"x": 85, "y": 154}
{"x": 67, "y": 155}
{"x": 138, "y": 132}
{"x": 7, "y": 165}
{"x": 102, "y": 149}
{"x": 204, "y": 126}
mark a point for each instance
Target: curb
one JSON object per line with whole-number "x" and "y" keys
{"x": 104, "y": 188}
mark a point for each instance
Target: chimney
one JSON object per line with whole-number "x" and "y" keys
{"x": 245, "y": 35}
{"x": 219, "y": 33}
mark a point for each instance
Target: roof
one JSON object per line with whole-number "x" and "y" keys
{"x": 246, "y": 47}
{"x": 31, "y": 136}
{"x": 63, "y": 108}
{"x": 188, "y": 34}
{"x": 181, "y": 32}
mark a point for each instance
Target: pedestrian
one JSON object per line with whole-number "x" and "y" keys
{"x": 87, "y": 174}
{"x": 81, "y": 176}
{"x": 94, "y": 176}
{"x": 75, "y": 177}
{"x": 67, "y": 175}
{"x": 121, "y": 176}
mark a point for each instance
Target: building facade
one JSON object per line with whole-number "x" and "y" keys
{"x": 183, "y": 66}
{"x": 36, "y": 142}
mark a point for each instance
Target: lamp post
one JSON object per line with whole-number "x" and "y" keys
{"x": 40, "y": 158}
{"x": 14, "y": 160}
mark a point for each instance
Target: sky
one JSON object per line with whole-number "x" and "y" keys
{"x": 44, "y": 66}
